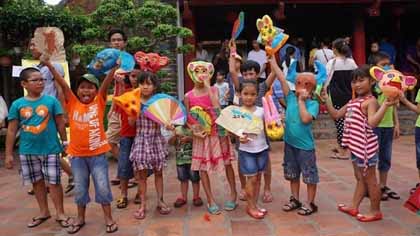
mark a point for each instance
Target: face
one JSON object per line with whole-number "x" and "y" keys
{"x": 199, "y": 45}
{"x": 34, "y": 51}
{"x": 374, "y": 47}
{"x": 117, "y": 41}
{"x": 249, "y": 95}
{"x": 147, "y": 88}
{"x": 35, "y": 83}
{"x": 361, "y": 85}
{"x": 86, "y": 92}
{"x": 220, "y": 77}
{"x": 249, "y": 75}
{"x": 133, "y": 77}
{"x": 255, "y": 45}
{"x": 384, "y": 63}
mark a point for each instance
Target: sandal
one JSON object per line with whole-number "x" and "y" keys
{"x": 163, "y": 210}
{"x": 197, "y": 202}
{"x": 268, "y": 197}
{"x": 64, "y": 223}
{"x": 70, "y": 185}
{"x": 74, "y": 228}
{"x": 384, "y": 194}
{"x": 242, "y": 196}
{"x": 337, "y": 156}
{"x": 262, "y": 210}
{"x": 122, "y": 202}
{"x": 363, "y": 218}
{"x": 292, "y": 205}
{"x": 349, "y": 211}
{"x": 37, "y": 221}
{"x": 111, "y": 228}
{"x": 230, "y": 206}
{"x": 31, "y": 191}
{"x": 304, "y": 211}
{"x": 137, "y": 199}
{"x": 213, "y": 209}
{"x": 140, "y": 214}
{"x": 179, "y": 202}
{"x": 131, "y": 184}
{"x": 390, "y": 193}
{"x": 115, "y": 182}
{"x": 414, "y": 189}
{"x": 258, "y": 215}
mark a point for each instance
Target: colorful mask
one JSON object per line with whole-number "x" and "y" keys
{"x": 200, "y": 71}
{"x": 392, "y": 82}
{"x": 272, "y": 37}
{"x": 129, "y": 102}
{"x": 150, "y": 61}
{"x": 50, "y": 42}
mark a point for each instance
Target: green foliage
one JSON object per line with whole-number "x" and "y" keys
{"x": 86, "y": 52}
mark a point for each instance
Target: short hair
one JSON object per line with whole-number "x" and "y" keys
{"x": 221, "y": 72}
{"x": 247, "y": 83}
{"x": 250, "y": 65}
{"x": 116, "y": 31}
{"x": 362, "y": 71}
{"x": 26, "y": 73}
{"x": 379, "y": 56}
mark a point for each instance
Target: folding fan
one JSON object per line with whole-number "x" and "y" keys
{"x": 202, "y": 118}
{"x": 165, "y": 110}
{"x": 239, "y": 122}
{"x": 238, "y": 26}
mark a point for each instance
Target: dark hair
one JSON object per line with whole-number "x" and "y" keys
{"x": 246, "y": 83}
{"x": 326, "y": 41}
{"x": 250, "y": 65}
{"x": 26, "y": 73}
{"x": 362, "y": 71}
{"x": 342, "y": 47}
{"x": 137, "y": 66}
{"x": 144, "y": 76}
{"x": 379, "y": 56}
{"x": 116, "y": 31}
{"x": 221, "y": 72}
{"x": 289, "y": 52}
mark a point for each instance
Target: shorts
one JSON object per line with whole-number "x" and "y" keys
{"x": 361, "y": 163}
{"x": 97, "y": 167}
{"x": 125, "y": 166}
{"x": 114, "y": 127}
{"x": 251, "y": 164}
{"x": 37, "y": 167}
{"x": 185, "y": 173}
{"x": 385, "y": 138}
{"x": 297, "y": 161}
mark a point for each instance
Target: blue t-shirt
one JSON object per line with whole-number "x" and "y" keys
{"x": 298, "y": 134}
{"x": 38, "y": 131}
{"x": 277, "y": 94}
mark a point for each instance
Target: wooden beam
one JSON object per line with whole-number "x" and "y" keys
{"x": 195, "y": 3}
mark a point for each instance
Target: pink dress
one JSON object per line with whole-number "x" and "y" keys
{"x": 212, "y": 152}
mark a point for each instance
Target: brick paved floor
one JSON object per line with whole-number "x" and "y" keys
{"x": 337, "y": 183}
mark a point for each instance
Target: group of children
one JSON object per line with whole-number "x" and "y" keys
{"x": 143, "y": 148}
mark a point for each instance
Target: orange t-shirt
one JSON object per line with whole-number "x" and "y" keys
{"x": 87, "y": 135}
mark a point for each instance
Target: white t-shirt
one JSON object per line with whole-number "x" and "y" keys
{"x": 324, "y": 55}
{"x": 260, "y": 57}
{"x": 202, "y": 56}
{"x": 285, "y": 70}
{"x": 259, "y": 143}
{"x": 222, "y": 88}
{"x": 340, "y": 64}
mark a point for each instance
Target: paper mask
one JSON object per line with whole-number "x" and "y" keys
{"x": 150, "y": 61}
{"x": 272, "y": 37}
{"x": 106, "y": 59}
{"x": 200, "y": 71}
{"x": 129, "y": 102}
{"x": 392, "y": 82}
{"x": 49, "y": 41}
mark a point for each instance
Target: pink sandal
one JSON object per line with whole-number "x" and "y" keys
{"x": 140, "y": 214}
{"x": 352, "y": 212}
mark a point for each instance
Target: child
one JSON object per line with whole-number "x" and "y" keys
{"x": 299, "y": 146}
{"x": 415, "y": 109}
{"x": 210, "y": 152}
{"x": 88, "y": 144}
{"x": 250, "y": 71}
{"x": 182, "y": 140}
{"x": 253, "y": 154}
{"x": 38, "y": 117}
{"x": 387, "y": 129}
{"x": 149, "y": 149}
{"x": 127, "y": 134}
{"x": 222, "y": 88}
{"x": 361, "y": 114}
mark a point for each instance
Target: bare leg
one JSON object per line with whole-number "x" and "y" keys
{"x": 383, "y": 177}
{"x": 66, "y": 167}
{"x": 81, "y": 213}
{"x": 268, "y": 197}
{"x": 311, "y": 189}
{"x": 205, "y": 181}
{"x": 360, "y": 191}
{"x": 242, "y": 180}
{"x": 257, "y": 187}
{"x": 159, "y": 187}
{"x": 56, "y": 191}
{"x": 142, "y": 177}
{"x": 230, "y": 175}
{"x": 250, "y": 193}
{"x": 294, "y": 187}
{"x": 41, "y": 197}
{"x": 373, "y": 189}
{"x": 196, "y": 190}
{"x": 107, "y": 214}
{"x": 184, "y": 190}
{"x": 115, "y": 150}
{"x": 124, "y": 187}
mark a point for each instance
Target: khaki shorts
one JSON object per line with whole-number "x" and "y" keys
{"x": 114, "y": 127}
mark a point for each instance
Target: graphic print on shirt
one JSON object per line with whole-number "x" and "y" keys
{"x": 40, "y": 119}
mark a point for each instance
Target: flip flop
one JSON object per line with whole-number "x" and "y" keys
{"x": 109, "y": 228}
{"x": 351, "y": 212}
{"x": 230, "y": 205}
{"x": 390, "y": 193}
{"x": 268, "y": 197}
{"x": 131, "y": 184}
{"x": 37, "y": 221}
{"x": 363, "y": 218}
{"x": 140, "y": 214}
{"x": 163, "y": 210}
{"x": 259, "y": 215}
{"x": 336, "y": 156}
{"x": 242, "y": 196}
{"x": 213, "y": 209}
{"x": 75, "y": 227}
{"x": 64, "y": 223}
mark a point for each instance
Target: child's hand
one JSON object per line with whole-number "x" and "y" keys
{"x": 244, "y": 139}
{"x": 324, "y": 95}
{"x": 170, "y": 127}
{"x": 185, "y": 139}
{"x": 232, "y": 46}
{"x": 303, "y": 95}
{"x": 8, "y": 162}
{"x": 391, "y": 102}
{"x": 45, "y": 59}
{"x": 397, "y": 131}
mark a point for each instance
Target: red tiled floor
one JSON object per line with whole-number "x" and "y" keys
{"x": 337, "y": 185}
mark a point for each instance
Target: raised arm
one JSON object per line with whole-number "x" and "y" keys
{"x": 232, "y": 70}
{"x": 66, "y": 90}
{"x": 107, "y": 81}
{"x": 280, "y": 76}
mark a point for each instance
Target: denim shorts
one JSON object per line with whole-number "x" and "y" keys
{"x": 125, "y": 166}
{"x": 417, "y": 139}
{"x": 97, "y": 167}
{"x": 385, "y": 138}
{"x": 252, "y": 163}
{"x": 185, "y": 173}
{"x": 361, "y": 163}
{"x": 298, "y": 161}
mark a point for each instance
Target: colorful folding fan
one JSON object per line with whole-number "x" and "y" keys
{"x": 238, "y": 25}
{"x": 239, "y": 122}
{"x": 202, "y": 118}
{"x": 165, "y": 110}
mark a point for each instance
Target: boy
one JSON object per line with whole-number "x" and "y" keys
{"x": 38, "y": 117}
{"x": 222, "y": 88}
{"x": 88, "y": 144}
{"x": 387, "y": 129}
{"x": 250, "y": 71}
{"x": 299, "y": 149}
{"x": 182, "y": 140}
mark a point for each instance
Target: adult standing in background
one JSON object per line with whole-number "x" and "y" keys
{"x": 259, "y": 55}
{"x": 323, "y": 54}
{"x": 339, "y": 72}
{"x": 201, "y": 53}
{"x": 221, "y": 59}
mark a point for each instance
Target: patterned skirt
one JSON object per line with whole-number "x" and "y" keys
{"x": 149, "y": 151}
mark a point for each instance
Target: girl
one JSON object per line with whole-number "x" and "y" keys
{"x": 338, "y": 83}
{"x": 210, "y": 152}
{"x": 362, "y": 113}
{"x": 149, "y": 149}
{"x": 253, "y": 154}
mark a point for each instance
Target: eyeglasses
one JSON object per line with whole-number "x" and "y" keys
{"x": 36, "y": 80}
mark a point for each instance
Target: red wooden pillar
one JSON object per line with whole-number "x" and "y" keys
{"x": 188, "y": 20}
{"x": 359, "y": 40}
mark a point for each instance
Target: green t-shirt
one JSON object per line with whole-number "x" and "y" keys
{"x": 183, "y": 152}
{"x": 388, "y": 120}
{"x": 418, "y": 101}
